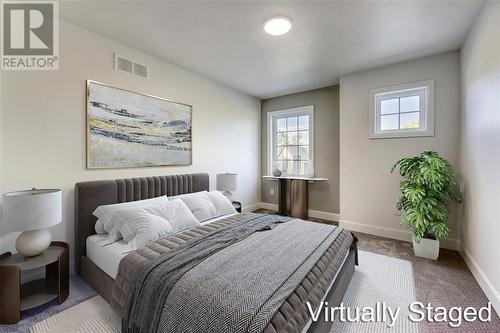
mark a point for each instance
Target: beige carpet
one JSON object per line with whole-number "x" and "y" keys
{"x": 446, "y": 282}
{"x": 92, "y": 316}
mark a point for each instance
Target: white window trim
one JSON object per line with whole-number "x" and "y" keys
{"x": 309, "y": 109}
{"x": 428, "y": 117}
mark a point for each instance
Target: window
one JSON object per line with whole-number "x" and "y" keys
{"x": 402, "y": 111}
{"x": 290, "y": 141}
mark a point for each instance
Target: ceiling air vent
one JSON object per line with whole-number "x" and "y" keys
{"x": 129, "y": 66}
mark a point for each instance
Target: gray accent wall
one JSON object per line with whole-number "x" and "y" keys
{"x": 322, "y": 196}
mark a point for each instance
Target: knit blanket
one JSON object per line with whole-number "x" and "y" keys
{"x": 233, "y": 279}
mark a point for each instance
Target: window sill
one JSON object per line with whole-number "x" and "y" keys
{"x": 400, "y": 134}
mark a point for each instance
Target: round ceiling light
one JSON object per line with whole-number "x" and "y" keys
{"x": 277, "y": 25}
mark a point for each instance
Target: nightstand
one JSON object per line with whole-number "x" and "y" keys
{"x": 237, "y": 206}
{"x": 16, "y": 297}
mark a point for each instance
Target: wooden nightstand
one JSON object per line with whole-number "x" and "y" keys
{"x": 16, "y": 297}
{"x": 237, "y": 206}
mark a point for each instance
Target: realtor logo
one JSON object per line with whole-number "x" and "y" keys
{"x": 30, "y": 32}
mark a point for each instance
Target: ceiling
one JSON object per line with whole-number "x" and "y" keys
{"x": 225, "y": 41}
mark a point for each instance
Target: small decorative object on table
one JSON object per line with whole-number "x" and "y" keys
{"x": 16, "y": 297}
{"x": 32, "y": 211}
{"x": 276, "y": 172}
{"x": 226, "y": 183}
{"x": 237, "y": 206}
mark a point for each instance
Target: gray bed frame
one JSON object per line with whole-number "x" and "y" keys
{"x": 90, "y": 195}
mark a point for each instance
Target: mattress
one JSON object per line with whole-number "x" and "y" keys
{"x": 310, "y": 321}
{"x": 108, "y": 256}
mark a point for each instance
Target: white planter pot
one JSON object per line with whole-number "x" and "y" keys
{"x": 427, "y": 248}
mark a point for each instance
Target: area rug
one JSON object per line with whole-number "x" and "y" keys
{"x": 379, "y": 279}
{"x": 92, "y": 316}
{"x": 79, "y": 291}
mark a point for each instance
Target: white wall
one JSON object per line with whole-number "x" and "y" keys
{"x": 43, "y": 123}
{"x": 480, "y": 151}
{"x": 368, "y": 191}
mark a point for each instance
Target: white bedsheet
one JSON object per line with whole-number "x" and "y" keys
{"x": 107, "y": 256}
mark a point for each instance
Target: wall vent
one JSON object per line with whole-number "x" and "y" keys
{"x": 129, "y": 66}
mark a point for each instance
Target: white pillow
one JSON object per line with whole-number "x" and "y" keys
{"x": 199, "y": 204}
{"x": 133, "y": 222}
{"x": 105, "y": 213}
{"x": 179, "y": 216}
{"x": 180, "y": 196}
{"x": 145, "y": 225}
{"x": 222, "y": 203}
{"x": 99, "y": 227}
{"x": 113, "y": 236}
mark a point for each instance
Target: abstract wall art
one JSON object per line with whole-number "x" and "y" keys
{"x": 127, "y": 129}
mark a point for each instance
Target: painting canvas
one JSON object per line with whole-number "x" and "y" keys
{"x": 127, "y": 129}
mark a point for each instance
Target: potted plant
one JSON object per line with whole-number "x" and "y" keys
{"x": 427, "y": 187}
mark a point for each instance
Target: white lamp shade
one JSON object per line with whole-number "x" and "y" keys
{"x": 32, "y": 209}
{"x": 227, "y": 181}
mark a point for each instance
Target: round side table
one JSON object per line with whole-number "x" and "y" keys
{"x": 16, "y": 297}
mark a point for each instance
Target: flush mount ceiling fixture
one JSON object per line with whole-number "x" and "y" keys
{"x": 277, "y": 25}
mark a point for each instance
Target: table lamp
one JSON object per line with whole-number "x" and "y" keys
{"x": 227, "y": 182}
{"x": 32, "y": 211}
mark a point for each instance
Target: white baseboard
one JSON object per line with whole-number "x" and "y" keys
{"x": 489, "y": 289}
{"x": 312, "y": 213}
{"x": 324, "y": 215}
{"x": 393, "y": 233}
{"x": 265, "y": 205}
{"x": 251, "y": 208}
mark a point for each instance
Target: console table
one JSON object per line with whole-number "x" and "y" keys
{"x": 293, "y": 194}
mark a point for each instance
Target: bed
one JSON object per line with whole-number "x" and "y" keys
{"x": 110, "y": 268}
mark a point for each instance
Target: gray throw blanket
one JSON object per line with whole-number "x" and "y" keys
{"x": 231, "y": 280}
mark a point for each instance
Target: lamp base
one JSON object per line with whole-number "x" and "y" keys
{"x": 32, "y": 243}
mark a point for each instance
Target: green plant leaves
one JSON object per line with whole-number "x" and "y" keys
{"x": 427, "y": 187}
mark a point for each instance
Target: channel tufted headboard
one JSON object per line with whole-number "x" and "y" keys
{"x": 90, "y": 195}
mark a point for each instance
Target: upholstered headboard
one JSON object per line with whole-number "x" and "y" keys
{"x": 90, "y": 195}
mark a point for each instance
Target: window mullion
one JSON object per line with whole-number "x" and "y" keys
{"x": 399, "y": 113}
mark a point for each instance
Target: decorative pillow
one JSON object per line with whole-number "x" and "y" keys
{"x": 157, "y": 228}
{"x": 180, "y": 216}
{"x": 148, "y": 224}
{"x": 222, "y": 203}
{"x": 105, "y": 213}
{"x": 199, "y": 204}
{"x": 142, "y": 223}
